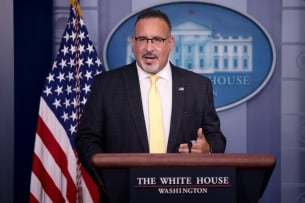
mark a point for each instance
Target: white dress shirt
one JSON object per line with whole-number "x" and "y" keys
{"x": 164, "y": 85}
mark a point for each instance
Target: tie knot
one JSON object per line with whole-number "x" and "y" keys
{"x": 153, "y": 79}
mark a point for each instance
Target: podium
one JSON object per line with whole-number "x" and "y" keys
{"x": 251, "y": 171}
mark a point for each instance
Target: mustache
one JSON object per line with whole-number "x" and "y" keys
{"x": 149, "y": 54}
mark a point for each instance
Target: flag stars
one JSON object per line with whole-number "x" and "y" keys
{"x": 65, "y": 116}
{"x": 78, "y": 76}
{"x": 86, "y": 88}
{"x": 72, "y": 49}
{"x": 82, "y": 36}
{"x": 81, "y": 22}
{"x": 50, "y": 78}
{"x": 80, "y": 62}
{"x": 73, "y": 116}
{"x": 54, "y": 65}
{"x": 84, "y": 100}
{"x": 73, "y": 22}
{"x": 77, "y": 90}
{"x": 48, "y": 90}
{"x": 98, "y": 72}
{"x": 89, "y": 62}
{"x": 65, "y": 50}
{"x": 81, "y": 49}
{"x": 56, "y": 103}
{"x": 61, "y": 77}
{"x": 69, "y": 89}
{"x": 74, "y": 103}
{"x": 72, "y": 129}
{"x": 69, "y": 82}
{"x": 98, "y": 62}
{"x": 72, "y": 36}
{"x": 90, "y": 48}
{"x": 63, "y": 63}
{"x": 67, "y": 103}
{"x": 88, "y": 75}
{"x": 71, "y": 62}
{"x": 70, "y": 76}
{"x": 58, "y": 90}
{"x": 66, "y": 36}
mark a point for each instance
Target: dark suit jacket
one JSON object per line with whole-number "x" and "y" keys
{"x": 113, "y": 121}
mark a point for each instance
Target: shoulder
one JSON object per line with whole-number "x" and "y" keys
{"x": 187, "y": 74}
{"x": 117, "y": 73}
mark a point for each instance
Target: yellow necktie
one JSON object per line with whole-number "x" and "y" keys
{"x": 156, "y": 132}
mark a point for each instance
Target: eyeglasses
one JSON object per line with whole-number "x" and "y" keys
{"x": 157, "y": 41}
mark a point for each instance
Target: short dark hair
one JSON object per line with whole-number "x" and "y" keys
{"x": 149, "y": 13}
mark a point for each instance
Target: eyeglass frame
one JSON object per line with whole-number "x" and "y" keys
{"x": 153, "y": 40}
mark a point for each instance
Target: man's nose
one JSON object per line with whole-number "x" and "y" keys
{"x": 149, "y": 44}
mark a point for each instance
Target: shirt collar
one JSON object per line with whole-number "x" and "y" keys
{"x": 165, "y": 73}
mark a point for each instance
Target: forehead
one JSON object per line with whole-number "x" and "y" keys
{"x": 151, "y": 26}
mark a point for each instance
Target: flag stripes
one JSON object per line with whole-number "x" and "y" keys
{"x": 51, "y": 143}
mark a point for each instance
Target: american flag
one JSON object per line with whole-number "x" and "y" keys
{"x": 57, "y": 175}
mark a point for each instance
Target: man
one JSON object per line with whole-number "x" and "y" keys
{"x": 116, "y": 117}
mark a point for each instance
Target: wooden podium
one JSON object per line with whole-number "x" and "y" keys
{"x": 252, "y": 170}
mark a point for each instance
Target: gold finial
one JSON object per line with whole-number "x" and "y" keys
{"x": 76, "y": 5}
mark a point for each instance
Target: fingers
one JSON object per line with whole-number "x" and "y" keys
{"x": 184, "y": 148}
{"x": 195, "y": 148}
{"x": 190, "y": 147}
{"x": 200, "y": 136}
{"x": 198, "y": 146}
{"x": 206, "y": 148}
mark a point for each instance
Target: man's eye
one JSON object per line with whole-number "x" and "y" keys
{"x": 158, "y": 39}
{"x": 142, "y": 39}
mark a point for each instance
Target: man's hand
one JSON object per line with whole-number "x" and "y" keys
{"x": 200, "y": 145}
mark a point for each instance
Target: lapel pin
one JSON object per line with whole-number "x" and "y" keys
{"x": 181, "y": 89}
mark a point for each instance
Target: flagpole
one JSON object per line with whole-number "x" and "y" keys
{"x": 77, "y": 12}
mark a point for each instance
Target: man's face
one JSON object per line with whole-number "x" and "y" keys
{"x": 152, "y": 55}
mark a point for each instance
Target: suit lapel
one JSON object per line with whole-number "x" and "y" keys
{"x": 133, "y": 92}
{"x": 177, "y": 109}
